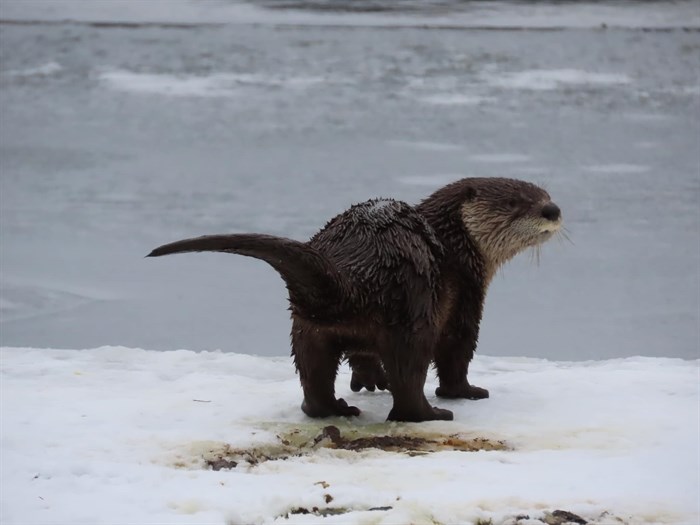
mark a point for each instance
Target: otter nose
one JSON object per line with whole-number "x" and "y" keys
{"x": 551, "y": 211}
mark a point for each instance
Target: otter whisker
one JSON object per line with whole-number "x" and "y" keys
{"x": 535, "y": 253}
{"x": 563, "y": 234}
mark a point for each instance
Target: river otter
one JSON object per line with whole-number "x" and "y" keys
{"x": 394, "y": 287}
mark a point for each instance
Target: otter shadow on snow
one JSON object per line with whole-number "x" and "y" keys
{"x": 298, "y": 441}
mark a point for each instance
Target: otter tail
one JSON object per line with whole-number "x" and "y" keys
{"x": 315, "y": 286}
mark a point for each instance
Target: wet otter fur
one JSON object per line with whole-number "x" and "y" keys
{"x": 393, "y": 287}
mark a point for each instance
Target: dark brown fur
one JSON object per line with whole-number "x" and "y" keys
{"x": 394, "y": 287}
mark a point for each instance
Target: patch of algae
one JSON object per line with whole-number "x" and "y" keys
{"x": 305, "y": 440}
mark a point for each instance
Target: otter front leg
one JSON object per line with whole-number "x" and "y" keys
{"x": 317, "y": 359}
{"x": 452, "y": 357}
{"x": 367, "y": 372}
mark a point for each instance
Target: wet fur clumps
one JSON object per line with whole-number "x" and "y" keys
{"x": 393, "y": 288}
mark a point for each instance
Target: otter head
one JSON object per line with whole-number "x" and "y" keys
{"x": 505, "y": 216}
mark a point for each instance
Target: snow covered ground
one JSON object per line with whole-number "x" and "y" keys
{"x": 122, "y": 435}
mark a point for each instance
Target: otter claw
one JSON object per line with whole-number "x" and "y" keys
{"x": 343, "y": 409}
{"x": 432, "y": 414}
{"x": 464, "y": 391}
{"x": 369, "y": 379}
{"x": 339, "y": 408}
{"x": 443, "y": 414}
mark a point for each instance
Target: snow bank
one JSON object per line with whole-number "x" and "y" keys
{"x": 552, "y": 79}
{"x": 215, "y": 85}
{"x": 659, "y": 14}
{"x": 119, "y": 435}
{"x": 43, "y": 70}
{"x": 455, "y": 99}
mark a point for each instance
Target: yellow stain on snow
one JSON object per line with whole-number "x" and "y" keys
{"x": 188, "y": 506}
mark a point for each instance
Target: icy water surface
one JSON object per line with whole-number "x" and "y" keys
{"x": 115, "y": 139}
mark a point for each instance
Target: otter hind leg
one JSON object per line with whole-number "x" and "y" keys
{"x": 367, "y": 372}
{"x": 406, "y": 364}
{"x": 317, "y": 358}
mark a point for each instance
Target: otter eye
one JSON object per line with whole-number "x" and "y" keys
{"x": 512, "y": 204}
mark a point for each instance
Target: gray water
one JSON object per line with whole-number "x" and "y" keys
{"x": 115, "y": 139}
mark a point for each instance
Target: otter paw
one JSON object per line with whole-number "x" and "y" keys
{"x": 431, "y": 414}
{"x": 370, "y": 379}
{"x": 443, "y": 414}
{"x": 338, "y": 407}
{"x": 462, "y": 390}
{"x": 343, "y": 409}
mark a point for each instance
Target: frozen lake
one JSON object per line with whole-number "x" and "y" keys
{"x": 116, "y": 138}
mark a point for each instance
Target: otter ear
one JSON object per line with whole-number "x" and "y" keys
{"x": 470, "y": 194}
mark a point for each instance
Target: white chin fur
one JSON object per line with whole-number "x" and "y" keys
{"x": 550, "y": 227}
